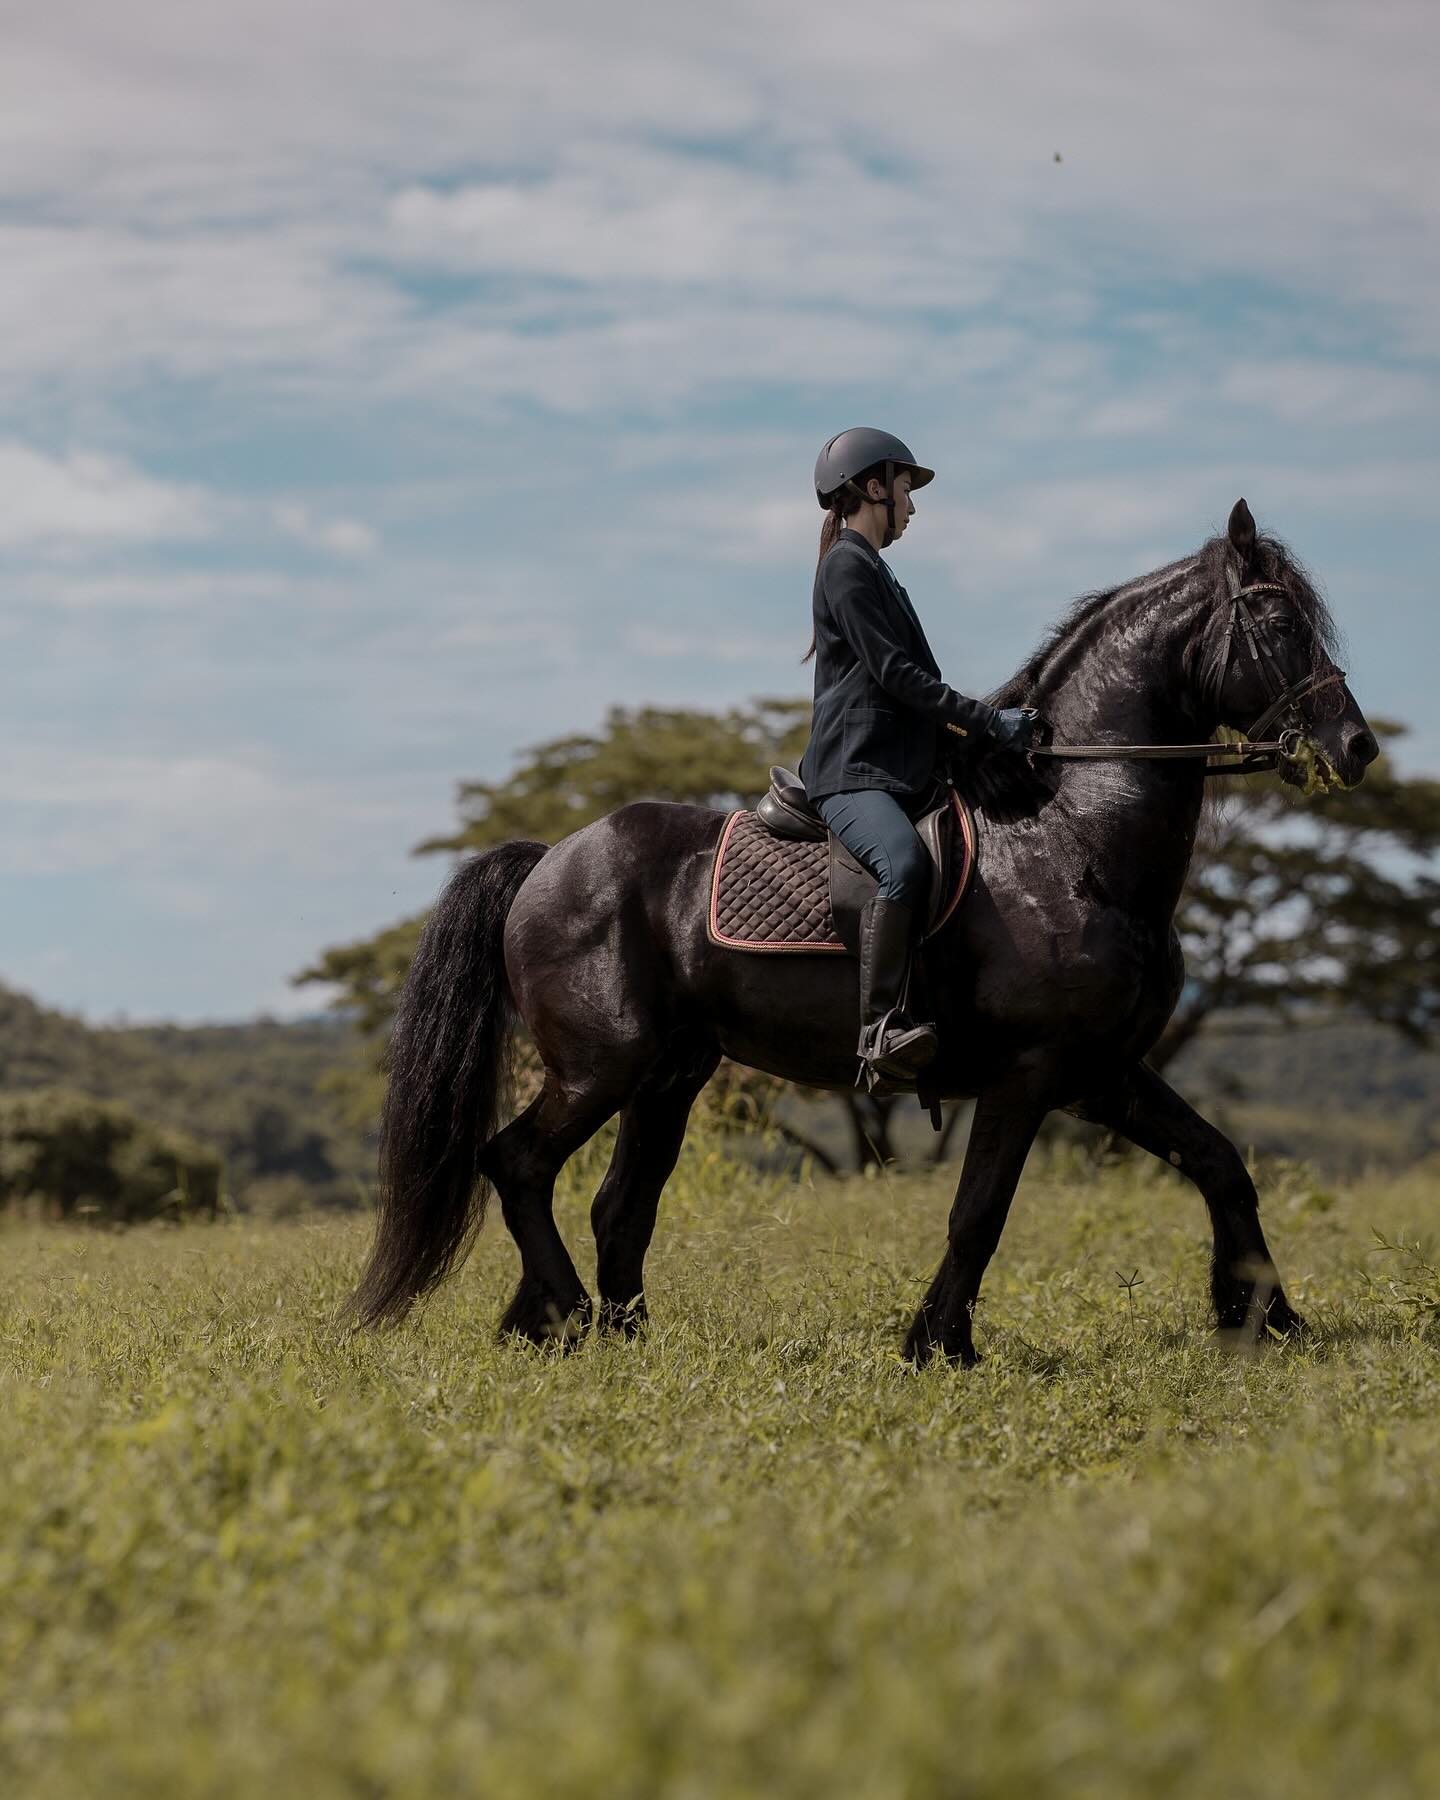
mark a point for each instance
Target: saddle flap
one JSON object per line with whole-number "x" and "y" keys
{"x": 767, "y": 893}
{"x": 852, "y": 884}
{"x": 937, "y": 833}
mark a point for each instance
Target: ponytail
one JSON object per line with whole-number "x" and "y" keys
{"x": 829, "y": 531}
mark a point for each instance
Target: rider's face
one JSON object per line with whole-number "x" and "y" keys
{"x": 904, "y": 505}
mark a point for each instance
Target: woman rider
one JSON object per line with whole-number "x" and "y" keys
{"x": 880, "y": 706}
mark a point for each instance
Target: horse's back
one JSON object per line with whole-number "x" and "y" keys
{"x": 645, "y": 846}
{"x": 629, "y": 886}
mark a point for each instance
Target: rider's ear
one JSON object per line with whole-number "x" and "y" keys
{"x": 1241, "y": 531}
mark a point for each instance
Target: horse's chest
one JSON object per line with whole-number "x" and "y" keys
{"x": 1104, "y": 964}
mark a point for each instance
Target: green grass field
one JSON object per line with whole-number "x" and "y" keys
{"x": 242, "y": 1553}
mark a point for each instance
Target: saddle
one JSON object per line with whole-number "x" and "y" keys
{"x": 782, "y": 882}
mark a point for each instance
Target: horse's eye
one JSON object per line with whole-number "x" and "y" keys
{"x": 1282, "y": 624}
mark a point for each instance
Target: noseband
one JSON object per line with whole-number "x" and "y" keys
{"x": 1256, "y": 752}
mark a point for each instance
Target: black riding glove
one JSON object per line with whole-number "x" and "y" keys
{"x": 1014, "y": 727}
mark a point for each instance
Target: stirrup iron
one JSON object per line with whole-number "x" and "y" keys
{"x": 897, "y": 1063}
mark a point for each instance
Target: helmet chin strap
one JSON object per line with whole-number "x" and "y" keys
{"x": 889, "y": 502}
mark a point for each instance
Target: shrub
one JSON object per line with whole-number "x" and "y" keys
{"x": 70, "y": 1154}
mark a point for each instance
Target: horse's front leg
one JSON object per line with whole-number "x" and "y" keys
{"x": 1004, "y": 1127}
{"x": 1243, "y": 1282}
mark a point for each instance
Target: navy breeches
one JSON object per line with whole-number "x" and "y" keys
{"x": 874, "y": 827}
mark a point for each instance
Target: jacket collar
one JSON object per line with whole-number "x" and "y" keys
{"x": 847, "y": 536}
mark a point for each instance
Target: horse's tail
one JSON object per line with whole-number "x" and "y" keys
{"x": 449, "y": 1066}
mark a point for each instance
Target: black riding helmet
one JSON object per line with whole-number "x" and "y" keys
{"x": 851, "y": 453}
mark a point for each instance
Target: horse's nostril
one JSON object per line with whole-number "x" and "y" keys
{"x": 1361, "y": 744}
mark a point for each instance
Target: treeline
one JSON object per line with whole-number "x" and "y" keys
{"x": 1345, "y": 1095}
{"x": 260, "y": 1099}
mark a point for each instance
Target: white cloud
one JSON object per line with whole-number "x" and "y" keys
{"x": 633, "y": 217}
{"x": 538, "y": 637}
{"x": 85, "y": 300}
{"x": 88, "y": 505}
{"x": 106, "y": 590}
{"x": 1335, "y": 394}
{"x": 248, "y": 215}
{"x": 86, "y": 498}
{"x": 339, "y": 537}
{"x": 197, "y": 815}
{"x": 722, "y": 645}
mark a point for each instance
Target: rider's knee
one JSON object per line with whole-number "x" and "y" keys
{"x": 910, "y": 876}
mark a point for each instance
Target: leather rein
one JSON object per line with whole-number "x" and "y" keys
{"x": 1255, "y": 752}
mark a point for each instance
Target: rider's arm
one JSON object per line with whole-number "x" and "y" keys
{"x": 865, "y": 618}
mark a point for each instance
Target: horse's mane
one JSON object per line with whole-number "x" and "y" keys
{"x": 1010, "y": 785}
{"x": 1274, "y": 561}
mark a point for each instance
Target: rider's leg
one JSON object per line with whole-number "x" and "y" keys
{"x": 875, "y": 828}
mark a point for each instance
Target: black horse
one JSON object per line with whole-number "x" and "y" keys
{"x": 1049, "y": 986}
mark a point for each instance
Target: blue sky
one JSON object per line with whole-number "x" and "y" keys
{"x": 383, "y": 390}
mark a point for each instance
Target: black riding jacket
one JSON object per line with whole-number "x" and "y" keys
{"x": 882, "y": 714}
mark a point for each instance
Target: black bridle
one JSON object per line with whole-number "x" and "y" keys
{"x": 1256, "y": 752}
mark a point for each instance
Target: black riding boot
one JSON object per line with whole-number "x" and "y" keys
{"x": 891, "y": 1048}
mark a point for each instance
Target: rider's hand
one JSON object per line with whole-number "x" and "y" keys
{"x": 1015, "y": 727}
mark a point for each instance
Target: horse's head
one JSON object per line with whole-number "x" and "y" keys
{"x": 1276, "y": 671}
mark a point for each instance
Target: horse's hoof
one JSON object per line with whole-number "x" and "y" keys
{"x": 921, "y": 1348}
{"x": 1283, "y": 1321}
{"x": 537, "y": 1317}
{"x": 1245, "y": 1329}
{"x": 622, "y": 1318}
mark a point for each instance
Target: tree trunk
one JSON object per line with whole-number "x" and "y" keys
{"x": 869, "y": 1117}
{"x": 1182, "y": 1030}
{"x": 798, "y": 1138}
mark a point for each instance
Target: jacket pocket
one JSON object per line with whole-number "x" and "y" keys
{"x": 881, "y": 742}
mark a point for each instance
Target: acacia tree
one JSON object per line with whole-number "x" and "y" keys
{"x": 1298, "y": 907}
{"x": 1291, "y": 905}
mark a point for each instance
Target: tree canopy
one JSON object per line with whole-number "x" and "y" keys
{"x": 1297, "y": 905}
{"x": 652, "y": 753}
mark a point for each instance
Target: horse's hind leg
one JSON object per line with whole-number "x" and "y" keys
{"x": 1243, "y": 1283}
{"x": 652, "y": 1128}
{"x": 523, "y": 1161}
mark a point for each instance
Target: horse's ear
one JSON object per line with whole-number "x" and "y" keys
{"x": 1241, "y": 531}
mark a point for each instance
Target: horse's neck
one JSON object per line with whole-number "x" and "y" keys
{"x": 1131, "y": 678}
{"x": 1134, "y": 683}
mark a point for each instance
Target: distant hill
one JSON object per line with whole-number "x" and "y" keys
{"x": 256, "y": 1092}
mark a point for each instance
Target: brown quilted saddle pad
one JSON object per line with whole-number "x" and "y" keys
{"x": 772, "y": 893}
